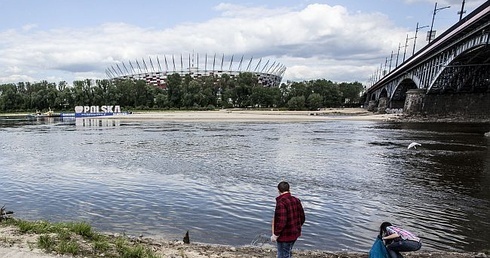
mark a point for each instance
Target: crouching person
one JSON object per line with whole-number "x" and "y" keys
{"x": 398, "y": 240}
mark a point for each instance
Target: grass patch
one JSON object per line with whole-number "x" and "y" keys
{"x": 127, "y": 250}
{"x": 79, "y": 239}
{"x": 68, "y": 247}
{"x": 46, "y": 242}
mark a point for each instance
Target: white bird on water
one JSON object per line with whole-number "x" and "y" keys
{"x": 414, "y": 145}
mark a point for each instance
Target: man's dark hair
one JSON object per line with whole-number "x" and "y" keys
{"x": 382, "y": 228}
{"x": 283, "y": 187}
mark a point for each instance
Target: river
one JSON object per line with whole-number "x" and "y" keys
{"x": 218, "y": 179}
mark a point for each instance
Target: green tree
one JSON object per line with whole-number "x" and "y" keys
{"x": 141, "y": 94}
{"x": 82, "y": 93}
{"x": 161, "y": 100}
{"x": 275, "y": 97}
{"x": 297, "y": 103}
{"x": 265, "y": 96}
{"x": 191, "y": 97}
{"x": 10, "y": 99}
{"x": 314, "y": 101}
{"x": 210, "y": 91}
{"x": 243, "y": 90}
{"x": 332, "y": 97}
{"x": 298, "y": 89}
{"x": 174, "y": 89}
{"x": 351, "y": 92}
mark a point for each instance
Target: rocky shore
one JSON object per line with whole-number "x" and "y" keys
{"x": 16, "y": 245}
{"x": 439, "y": 119}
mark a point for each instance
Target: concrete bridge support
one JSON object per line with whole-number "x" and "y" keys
{"x": 469, "y": 105}
{"x": 372, "y": 106}
{"x": 382, "y": 105}
{"x": 414, "y": 103}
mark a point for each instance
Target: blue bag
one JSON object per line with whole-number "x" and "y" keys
{"x": 378, "y": 250}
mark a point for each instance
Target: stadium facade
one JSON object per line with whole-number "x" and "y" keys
{"x": 155, "y": 70}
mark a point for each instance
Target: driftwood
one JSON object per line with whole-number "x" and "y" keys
{"x": 5, "y": 214}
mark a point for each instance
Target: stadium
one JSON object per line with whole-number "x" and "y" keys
{"x": 155, "y": 71}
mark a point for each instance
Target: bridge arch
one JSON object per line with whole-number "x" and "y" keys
{"x": 467, "y": 72}
{"x": 383, "y": 94}
{"x": 399, "y": 95}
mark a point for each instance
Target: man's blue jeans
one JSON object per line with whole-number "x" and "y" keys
{"x": 284, "y": 249}
{"x": 396, "y": 247}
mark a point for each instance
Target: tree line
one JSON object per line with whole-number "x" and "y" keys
{"x": 181, "y": 92}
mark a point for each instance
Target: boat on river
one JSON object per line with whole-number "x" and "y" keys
{"x": 49, "y": 113}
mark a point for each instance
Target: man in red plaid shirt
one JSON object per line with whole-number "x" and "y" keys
{"x": 289, "y": 216}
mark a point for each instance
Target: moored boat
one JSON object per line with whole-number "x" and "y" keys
{"x": 49, "y": 113}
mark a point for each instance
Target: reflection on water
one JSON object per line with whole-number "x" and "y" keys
{"x": 97, "y": 122}
{"x": 218, "y": 179}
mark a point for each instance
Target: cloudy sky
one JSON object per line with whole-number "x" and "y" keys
{"x": 338, "y": 40}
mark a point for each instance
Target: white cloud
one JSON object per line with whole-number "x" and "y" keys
{"x": 29, "y": 27}
{"x": 316, "y": 42}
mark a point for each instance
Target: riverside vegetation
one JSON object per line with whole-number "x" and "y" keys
{"x": 74, "y": 238}
{"x": 180, "y": 92}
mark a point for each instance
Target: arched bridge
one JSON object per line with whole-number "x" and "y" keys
{"x": 456, "y": 63}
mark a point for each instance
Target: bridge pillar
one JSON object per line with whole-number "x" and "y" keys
{"x": 414, "y": 102}
{"x": 372, "y": 105}
{"x": 382, "y": 105}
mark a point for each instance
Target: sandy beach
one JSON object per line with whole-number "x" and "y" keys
{"x": 242, "y": 115}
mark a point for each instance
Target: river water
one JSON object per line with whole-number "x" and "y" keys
{"x": 218, "y": 179}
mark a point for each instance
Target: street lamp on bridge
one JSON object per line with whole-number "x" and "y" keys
{"x": 462, "y": 11}
{"x": 406, "y": 45}
{"x": 432, "y": 34}
{"x": 415, "y": 37}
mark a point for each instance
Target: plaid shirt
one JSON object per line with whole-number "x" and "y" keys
{"x": 289, "y": 216}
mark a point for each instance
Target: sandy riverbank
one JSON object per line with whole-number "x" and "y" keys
{"x": 241, "y": 115}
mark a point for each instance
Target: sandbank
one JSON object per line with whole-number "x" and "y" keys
{"x": 243, "y": 115}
